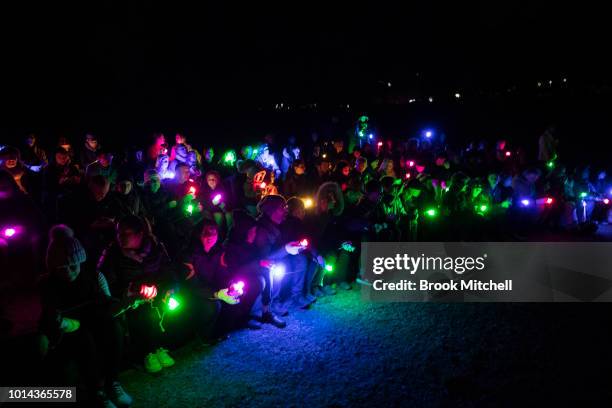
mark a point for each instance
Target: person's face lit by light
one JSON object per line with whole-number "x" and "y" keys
{"x": 209, "y": 155}
{"x": 212, "y": 181}
{"x": 62, "y": 158}
{"x": 299, "y": 169}
{"x": 180, "y": 139}
{"x": 182, "y": 174}
{"x": 92, "y": 142}
{"x": 124, "y": 187}
{"x": 129, "y": 239}
{"x": 11, "y": 163}
{"x": 69, "y": 272}
{"x": 154, "y": 183}
{"x": 361, "y": 166}
{"x": 209, "y": 237}
{"x": 31, "y": 140}
{"x": 279, "y": 214}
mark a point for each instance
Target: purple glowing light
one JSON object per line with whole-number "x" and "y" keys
{"x": 525, "y": 202}
{"x": 9, "y": 232}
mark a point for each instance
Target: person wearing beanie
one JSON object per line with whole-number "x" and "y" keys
{"x": 78, "y": 319}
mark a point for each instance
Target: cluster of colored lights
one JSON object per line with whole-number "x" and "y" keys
{"x": 348, "y": 247}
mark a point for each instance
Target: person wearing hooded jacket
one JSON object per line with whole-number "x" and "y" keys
{"x": 270, "y": 244}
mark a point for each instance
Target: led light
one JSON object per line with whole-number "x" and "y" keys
{"x": 192, "y": 190}
{"x": 380, "y": 144}
{"x": 148, "y": 291}
{"x": 189, "y": 209}
{"x": 236, "y": 289}
{"x": 508, "y": 153}
{"x": 229, "y": 158}
{"x": 371, "y": 136}
{"x": 584, "y": 204}
{"x": 9, "y": 232}
{"x": 431, "y": 212}
{"x": 216, "y": 199}
{"x": 550, "y": 164}
{"x": 428, "y": 134}
{"x": 549, "y": 200}
{"x": 173, "y": 303}
{"x": 410, "y": 163}
{"x": 457, "y": 95}
{"x": 304, "y": 242}
{"x": 329, "y": 268}
{"x": 324, "y": 155}
{"x": 483, "y": 208}
{"x": 583, "y": 194}
{"x": 525, "y": 202}
{"x": 348, "y": 247}
{"x": 308, "y": 203}
{"x": 277, "y": 271}
{"x": 262, "y": 185}
{"x": 407, "y": 175}
{"x": 606, "y": 201}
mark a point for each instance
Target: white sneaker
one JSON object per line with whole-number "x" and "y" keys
{"x": 164, "y": 358}
{"x": 118, "y": 395}
{"x": 152, "y": 364}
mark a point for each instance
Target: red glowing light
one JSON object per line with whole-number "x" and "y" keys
{"x": 549, "y": 200}
{"x": 408, "y": 175}
{"x": 380, "y": 144}
{"x": 410, "y": 163}
{"x": 508, "y": 153}
{"x": 192, "y": 190}
{"x": 304, "y": 242}
{"x": 148, "y": 291}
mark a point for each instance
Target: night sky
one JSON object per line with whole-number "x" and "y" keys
{"x": 136, "y": 59}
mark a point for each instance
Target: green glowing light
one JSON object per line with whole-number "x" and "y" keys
{"x": 431, "y": 213}
{"x": 329, "y": 268}
{"x": 550, "y": 164}
{"x": 189, "y": 209}
{"x": 173, "y": 304}
{"x": 583, "y": 195}
{"x": 229, "y": 158}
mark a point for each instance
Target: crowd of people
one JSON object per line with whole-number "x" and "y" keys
{"x": 110, "y": 257}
